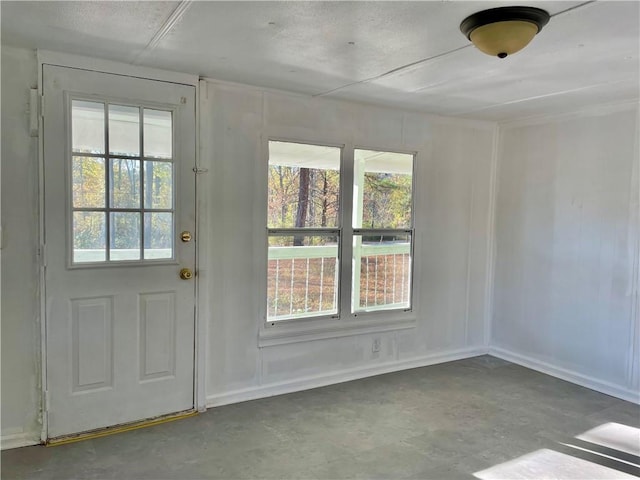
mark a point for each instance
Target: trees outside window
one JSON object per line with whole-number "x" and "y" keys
{"x": 121, "y": 194}
{"x": 304, "y": 219}
{"x": 382, "y": 230}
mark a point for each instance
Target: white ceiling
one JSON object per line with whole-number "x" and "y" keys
{"x": 404, "y": 54}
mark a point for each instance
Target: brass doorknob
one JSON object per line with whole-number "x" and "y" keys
{"x": 186, "y": 274}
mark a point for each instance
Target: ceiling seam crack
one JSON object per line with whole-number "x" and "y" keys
{"x": 546, "y": 95}
{"x": 393, "y": 71}
{"x": 572, "y": 8}
{"x": 164, "y": 30}
{"x": 425, "y": 60}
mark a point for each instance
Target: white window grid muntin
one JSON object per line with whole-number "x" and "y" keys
{"x": 107, "y": 210}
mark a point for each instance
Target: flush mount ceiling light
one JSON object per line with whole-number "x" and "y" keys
{"x": 505, "y": 30}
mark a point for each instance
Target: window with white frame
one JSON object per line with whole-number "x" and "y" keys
{"x": 304, "y": 230}
{"x": 382, "y": 230}
{"x": 306, "y": 206}
{"x": 122, "y": 183}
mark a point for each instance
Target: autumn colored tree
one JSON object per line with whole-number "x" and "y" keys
{"x": 302, "y": 197}
{"x": 89, "y": 184}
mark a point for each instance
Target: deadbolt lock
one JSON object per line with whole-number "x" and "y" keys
{"x": 186, "y": 274}
{"x": 185, "y": 236}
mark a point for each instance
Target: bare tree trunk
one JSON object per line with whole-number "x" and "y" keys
{"x": 283, "y": 208}
{"x": 311, "y": 215}
{"x": 303, "y": 204}
{"x": 325, "y": 188}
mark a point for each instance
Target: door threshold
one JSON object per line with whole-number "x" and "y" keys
{"x": 125, "y": 427}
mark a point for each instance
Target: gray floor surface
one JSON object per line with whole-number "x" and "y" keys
{"x": 438, "y": 422}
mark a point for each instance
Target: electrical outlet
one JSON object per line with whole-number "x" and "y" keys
{"x": 375, "y": 346}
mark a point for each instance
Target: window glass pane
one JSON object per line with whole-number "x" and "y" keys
{"x": 382, "y": 189}
{"x": 125, "y": 236}
{"x": 124, "y": 181}
{"x": 89, "y": 234}
{"x": 87, "y": 126}
{"x": 383, "y": 279}
{"x": 88, "y": 182}
{"x": 158, "y": 235}
{"x": 303, "y": 185}
{"x": 302, "y": 276}
{"x": 158, "y": 133}
{"x": 158, "y": 185}
{"x": 124, "y": 130}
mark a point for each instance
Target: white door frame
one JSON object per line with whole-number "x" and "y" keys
{"x": 45, "y": 57}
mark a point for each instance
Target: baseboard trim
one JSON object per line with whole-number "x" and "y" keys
{"x": 22, "y": 439}
{"x": 307, "y": 383}
{"x": 601, "y": 386}
{"x": 17, "y": 440}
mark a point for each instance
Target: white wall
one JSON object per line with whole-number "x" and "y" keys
{"x": 452, "y": 227}
{"x": 20, "y": 272}
{"x": 452, "y": 224}
{"x": 565, "y": 293}
{"x": 566, "y": 245}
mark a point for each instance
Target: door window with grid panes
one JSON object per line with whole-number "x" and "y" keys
{"x": 122, "y": 183}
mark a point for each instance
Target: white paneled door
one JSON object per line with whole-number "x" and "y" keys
{"x": 119, "y": 210}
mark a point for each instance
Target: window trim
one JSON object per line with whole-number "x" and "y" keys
{"x": 345, "y": 322}
{"x": 305, "y": 331}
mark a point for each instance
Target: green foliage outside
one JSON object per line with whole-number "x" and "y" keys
{"x": 386, "y": 200}
{"x": 321, "y": 200}
{"x": 304, "y": 286}
{"x": 89, "y": 187}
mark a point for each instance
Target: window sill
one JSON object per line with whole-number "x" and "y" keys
{"x": 318, "y": 329}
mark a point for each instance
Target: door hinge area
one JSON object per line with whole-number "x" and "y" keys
{"x": 42, "y": 254}
{"x": 47, "y": 401}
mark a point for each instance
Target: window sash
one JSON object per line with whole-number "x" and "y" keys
{"x": 318, "y": 286}
{"x": 389, "y": 273}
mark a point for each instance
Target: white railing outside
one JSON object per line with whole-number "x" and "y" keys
{"x": 303, "y": 280}
{"x": 385, "y": 277}
{"x": 290, "y": 292}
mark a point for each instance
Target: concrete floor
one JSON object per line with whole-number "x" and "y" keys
{"x": 444, "y": 421}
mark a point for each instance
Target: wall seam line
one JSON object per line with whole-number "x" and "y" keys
{"x": 491, "y": 234}
{"x": 634, "y": 218}
{"x": 469, "y": 242}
